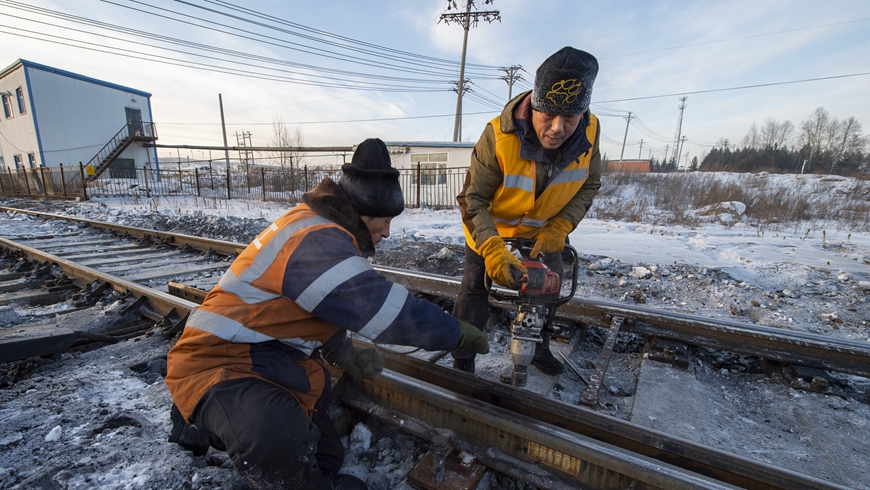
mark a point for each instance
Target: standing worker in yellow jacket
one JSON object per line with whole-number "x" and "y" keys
{"x": 533, "y": 174}
{"x": 249, "y": 376}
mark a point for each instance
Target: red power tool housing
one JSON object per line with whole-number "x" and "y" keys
{"x": 539, "y": 279}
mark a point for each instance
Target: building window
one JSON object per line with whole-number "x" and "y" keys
{"x": 31, "y": 159}
{"x": 20, "y": 94}
{"x": 433, "y": 168}
{"x": 7, "y": 106}
{"x": 17, "y": 159}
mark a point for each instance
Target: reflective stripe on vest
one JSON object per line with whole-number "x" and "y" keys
{"x": 329, "y": 280}
{"x": 389, "y": 311}
{"x": 233, "y": 331}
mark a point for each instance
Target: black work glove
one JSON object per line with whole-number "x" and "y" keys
{"x": 361, "y": 363}
{"x": 471, "y": 337}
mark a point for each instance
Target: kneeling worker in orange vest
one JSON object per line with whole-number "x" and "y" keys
{"x": 249, "y": 373}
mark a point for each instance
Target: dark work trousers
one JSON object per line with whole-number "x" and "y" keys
{"x": 472, "y": 302}
{"x": 270, "y": 439}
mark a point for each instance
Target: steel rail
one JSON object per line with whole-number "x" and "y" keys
{"x": 162, "y": 303}
{"x": 572, "y": 457}
{"x": 625, "y": 450}
{"x": 197, "y": 243}
{"x": 705, "y": 460}
{"x": 845, "y": 356}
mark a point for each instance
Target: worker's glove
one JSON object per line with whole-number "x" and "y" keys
{"x": 361, "y": 363}
{"x": 471, "y": 337}
{"x": 499, "y": 262}
{"x": 552, "y": 237}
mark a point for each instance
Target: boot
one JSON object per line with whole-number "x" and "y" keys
{"x": 342, "y": 482}
{"x": 544, "y": 359}
{"x": 188, "y": 436}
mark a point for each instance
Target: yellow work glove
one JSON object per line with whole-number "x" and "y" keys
{"x": 471, "y": 336}
{"x": 499, "y": 261}
{"x": 552, "y": 237}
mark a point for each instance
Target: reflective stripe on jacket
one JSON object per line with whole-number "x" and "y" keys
{"x": 514, "y": 209}
{"x": 289, "y": 297}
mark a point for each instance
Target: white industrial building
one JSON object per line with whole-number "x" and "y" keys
{"x": 51, "y": 117}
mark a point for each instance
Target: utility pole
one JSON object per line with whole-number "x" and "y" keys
{"x": 512, "y": 76}
{"x": 640, "y": 150}
{"x": 679, "y": 149}
{"x": 224, "y": 127}
{"x": 665, "y": 160}
{"x": 466, "y": 19}
{"x": 679, "y": 130}
{"x": 627, "y": 122}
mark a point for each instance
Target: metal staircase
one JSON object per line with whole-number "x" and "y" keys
{"x": 132, "y": 131}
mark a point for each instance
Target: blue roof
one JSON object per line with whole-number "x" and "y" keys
{"x": 30, "y": 64}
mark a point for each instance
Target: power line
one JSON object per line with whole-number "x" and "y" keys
{"x": 742, "y": 87}
{"x": 225, "y": 51}
{"x": 202, "y": 66}
{"x": 329, "y": 122}
{"x": 736, "y": 38}
{"x": 336, "y": 36}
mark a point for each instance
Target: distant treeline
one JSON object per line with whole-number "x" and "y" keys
{"x": 822, "y": 144}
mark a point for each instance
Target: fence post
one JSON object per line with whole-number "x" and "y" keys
{"x": 26, "y": 182}
{"x": 196, "y": 178}
{"x": 84, "y": 184}
{"x": 419, "y": 179}
{"x": 12, "y": 181}
{"x": 263, "y": 178}
{"x": 229, "y": 193}
{"x": 306, "y": 178}
{"x": 248, "y": 179}
{"x": 44, "y": 183}
{"x": 62, "y": 181}
{"x": 145, "y": 177}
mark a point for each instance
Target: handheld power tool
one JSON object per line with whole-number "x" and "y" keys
{"x": 538, "y": 295}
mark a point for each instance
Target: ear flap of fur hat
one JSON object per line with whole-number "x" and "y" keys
{"x": 563, "y": 82}
{"x": 370, "y": 182}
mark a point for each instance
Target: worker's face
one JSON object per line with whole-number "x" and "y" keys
{"x": 378, "y": 227}
{"x": 554, "y": 129}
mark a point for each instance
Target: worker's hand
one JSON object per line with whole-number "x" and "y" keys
{"x": 552, "y": 237}
{"x": 361, "y": 363}
{"x": 470, "y": 336}
{"x": 499, "y": 261}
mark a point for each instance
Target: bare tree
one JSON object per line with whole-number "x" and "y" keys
{"x": 752, "y": 138}
{"x": 813, "y": 133}
{"x": 291, "y": 143}
{"x": 850, "y": 138}
{"x": 776, "y": 134}
{"x": 280, "y": 138}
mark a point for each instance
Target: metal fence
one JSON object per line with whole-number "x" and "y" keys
{"x": 435, "y": 188}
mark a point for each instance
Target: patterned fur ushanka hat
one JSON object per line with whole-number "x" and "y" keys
{"x": 370, "y": 182}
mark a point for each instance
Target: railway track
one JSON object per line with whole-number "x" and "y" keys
{"x": 529, "y": 436}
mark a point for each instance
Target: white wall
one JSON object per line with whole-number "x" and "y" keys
{"x": 76, "y": 118}
{"x": 456, "y": 157}
{"x": 19, "y": 135}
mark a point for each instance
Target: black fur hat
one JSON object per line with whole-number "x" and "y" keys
{"x": 563, "y": 82}
{"x": 370, "y": 182}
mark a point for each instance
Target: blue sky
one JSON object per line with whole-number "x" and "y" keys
{"x": 649, "y": 54}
